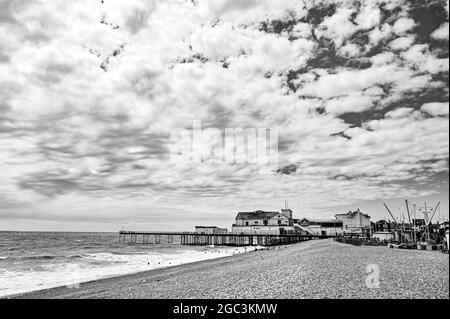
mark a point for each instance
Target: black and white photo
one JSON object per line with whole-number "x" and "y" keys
{"x": 224, "y": 149}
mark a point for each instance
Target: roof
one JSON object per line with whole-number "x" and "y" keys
{"x": 353, "y": 213}
{"x": 206, "y": 227}
{"x": 259, "y": 214}
{"x": 320, "y": 220}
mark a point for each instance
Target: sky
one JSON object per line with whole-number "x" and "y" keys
{"x": 92, "y": 91}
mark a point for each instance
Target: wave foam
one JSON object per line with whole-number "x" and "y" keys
{"x": 96, "y": 266}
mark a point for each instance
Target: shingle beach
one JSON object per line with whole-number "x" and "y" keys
{"x": 314, "y": 269}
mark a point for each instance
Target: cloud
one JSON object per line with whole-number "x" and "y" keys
{"x": 403, "y": 25}
{"x": 383, "y": 58}
{"x": 350, "y": 50}
{"x": 369, "y": 16}
{"x": 351, "y": 81}
{"x": 420, "y": 56}
{"x": 380, "y": 33}
{"x": 400, "y": 113}
{"x": 441, "y": 33}
{"x": 402, "y": 43}
{"x": 351, "y": 103}
{"x": 249, "y": 11}
{"x": 90, "y": 94}
{"x": 435, "y": 108}
{"x": 338, "y": 27}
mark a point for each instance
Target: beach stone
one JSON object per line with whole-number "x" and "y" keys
{"x": 314, "y": 269}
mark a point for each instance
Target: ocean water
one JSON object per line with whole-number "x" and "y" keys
{"x": 38, "y": 260}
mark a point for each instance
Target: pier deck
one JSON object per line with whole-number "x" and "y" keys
{"x": 226, "y": 239}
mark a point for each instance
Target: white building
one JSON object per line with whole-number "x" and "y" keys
{"x": 262, "y": 222}
{"x": 323, "y": 227}
{"x": 384, "y": 235}
{"x": 355, "y": 223}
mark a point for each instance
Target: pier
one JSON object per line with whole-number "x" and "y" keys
{"x": 225, "y": 239}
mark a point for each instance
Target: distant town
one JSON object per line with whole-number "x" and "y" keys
{"x": 266, "y": 228}
{"x": 283, "y": 223}
{"x": 419, "y": 233}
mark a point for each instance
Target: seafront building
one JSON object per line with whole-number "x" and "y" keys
{"x": 282, "y": 222}
{"x": 265, "y": 222}
{"x": 382, "y": 226}
{"x": 355, "y": 223}
{"x": 324, "y": 227}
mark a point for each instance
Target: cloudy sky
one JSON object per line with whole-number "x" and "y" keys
{"x": 90, "y": 91}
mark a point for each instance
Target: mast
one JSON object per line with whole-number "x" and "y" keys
{"x": 428, "y": 222}
{"x": 435, "y": 209}
{"x": 390, "y": 213}
{"x": 409, "y": 219}
{"x": 395, "y": 221}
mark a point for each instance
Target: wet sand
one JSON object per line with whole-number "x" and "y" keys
{"x": 314, "y": 269}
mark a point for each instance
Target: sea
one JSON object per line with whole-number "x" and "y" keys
{"x": 31, "y": 261}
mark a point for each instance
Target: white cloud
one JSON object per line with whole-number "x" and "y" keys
{"x": 302, "y": 30}
{"x": 368, "y": 17}
{"x": 402, "y": 43}
{"x": 74, "y": 131}
{"x": 350, "y": 81}
{"x": 338, "y": 27}
{"x": 350, "y": 50}
{"x": 222, "y": 41}
{"x": 403, "y": 25}
{"x": 351, "y": 103}
{"x": 441, "y": 33}
{"x": 249, "y": 11}
{"x": 435, "y": 108}
{"x": 379, "y": 34}
{"x": 420, "y": 56}
{"x": 270, "y": 53}
{"x": 383, "y": 58}
{"x": 400, "y": 113}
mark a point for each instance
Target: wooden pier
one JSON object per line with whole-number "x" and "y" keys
{"x": 227, "y": 239}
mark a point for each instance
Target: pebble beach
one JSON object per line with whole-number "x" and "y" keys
{"x": 313, "y": 269}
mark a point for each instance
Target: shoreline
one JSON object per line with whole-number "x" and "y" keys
{"x": 44, "y": 290}
{"x": 313, "y": 269}
{"x": 41, "y": 293}
{"x": 234, "y": 252}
